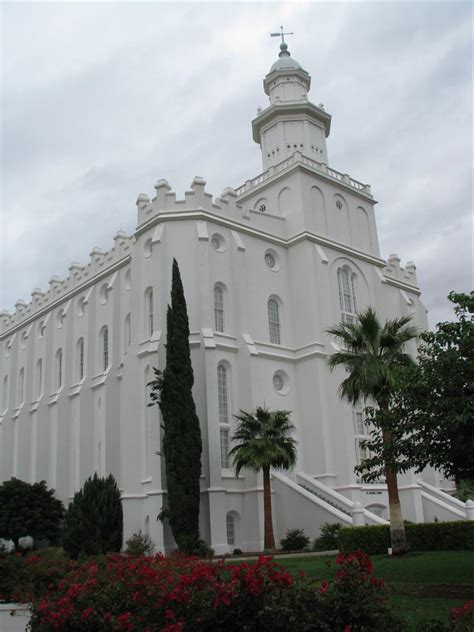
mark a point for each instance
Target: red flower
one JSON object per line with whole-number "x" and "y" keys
{"x": 87, "y": 613}
{"x": 324, "y": 587}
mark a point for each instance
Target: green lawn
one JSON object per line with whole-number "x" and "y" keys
{"x": 420, "y": 585}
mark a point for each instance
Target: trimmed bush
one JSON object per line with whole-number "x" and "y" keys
{"x": 327, "y": 541}
{"x": 93, "y": 522}
{"x": 428, "y": 536}
{"x": 295, "y": 540}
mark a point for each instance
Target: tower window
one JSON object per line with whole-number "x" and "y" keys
{"x": 80, "y": 359}
{"x": 222, "y": 394}
{"x": 274, "y": 321}
{"x": 347, "y": 300}
{"x": 59, "y": 368}
{"x": 218, "y": 308}
{"x": 149, "y": 325}
{"x": 230, "y": 528}
{"x": 105, "y": 348}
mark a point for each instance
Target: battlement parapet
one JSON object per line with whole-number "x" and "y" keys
{"x": 196, "y": 198}
{"x": 100, "y": 261}
{"x": 393, "y": 270}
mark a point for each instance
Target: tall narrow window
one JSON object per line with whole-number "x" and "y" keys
{"x": 21, "y": 386}
{"x": 274, "y": 321}
{"x": 222, "y": 394}
{"x": 80, "y": 359}
{"x": 347, "y": 301}
{"x": 127, "y": 332}
{"x": 224, "y": 436}
{"x": 105, "y": 348}
{"x": 230, "y": 526}
{"x": 149, "y": 328}
{"x": 59, "y": 368}
{"x": 5, "y": 393}
{"x": 218, "y": 308}
{"x": 39, "y": 378}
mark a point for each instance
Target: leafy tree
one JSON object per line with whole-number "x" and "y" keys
{"x": 182, "y": 445}
{"x": 374, "y": 358}
{"x": 93, "y": 522}
{"x": 262, "y": 441}
{"x": 29, "y": 509}
{"x": 433, "y": 406}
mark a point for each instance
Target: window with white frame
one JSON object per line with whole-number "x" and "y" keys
{"x": 230, "y": 528}
{"x": 274, "y": 321}
{"x": 218, "y": 308}
{"x": 347, "y": 298}
{"x": 80, "y": 359}
{"x": 105, "y": 349}
{"x": 21, "y": 386}
{"x": 361, "y": 433}
{"x": 225, "y": 447}
{"x": 39, "y": 378}
{"x": 223, "y": 409}
{"x": 149, "y": 326}
{"x": 59, "y": 368}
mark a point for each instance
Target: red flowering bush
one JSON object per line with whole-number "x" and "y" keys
{"x": 27, "y": 577}
{"x": 462, "y": 619}
{"x": 187, "y": 594}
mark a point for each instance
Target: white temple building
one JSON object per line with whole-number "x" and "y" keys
{"x": 267, "y": 267}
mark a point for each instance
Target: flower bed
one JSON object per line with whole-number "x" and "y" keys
{"x": 181, "y": 594}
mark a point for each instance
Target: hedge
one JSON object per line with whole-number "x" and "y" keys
{"x": 428, "y": 536}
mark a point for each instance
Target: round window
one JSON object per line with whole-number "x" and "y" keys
{"x": 281, "y": 382}
{"x": 262, "y": 208}
{"x": 272, "y": 260}
{"x": 278, "y": 382}
{"x": 81, "y": 306}
{"x": 104, "y": 294}
{"x": 59, "y": 318}
{"x": 218, "y": 242}
{"x": 339, "y": 204}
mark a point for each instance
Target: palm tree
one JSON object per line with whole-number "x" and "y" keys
{"x": 262, "y": 442}
{"x": 373, "y": 356}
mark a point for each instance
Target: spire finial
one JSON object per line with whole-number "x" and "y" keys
{"x": 283, "y": 46}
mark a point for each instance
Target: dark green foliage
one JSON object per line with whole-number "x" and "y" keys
{"x": 93, "y": 522}
{"x": 327, "y": 541}
{"x": 182, "y": 445}
{"x": 465, "y": 490}
{"x": 294, "y": 540}
{"x": 434, "y": 405}
{"x": 29, "y": 509}
{"x": 429, "y": 536}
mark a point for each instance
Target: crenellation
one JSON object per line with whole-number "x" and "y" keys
{"x": 394, "y": 270}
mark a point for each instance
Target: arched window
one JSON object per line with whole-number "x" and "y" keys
{"x": 127, "y": 332}
{"x": 230, "y": 528}
{"x": 59, "y": 368}
{"x": 218, "y": 308}
{"x": 146, "y": 425}
{"x": 274, "y": 321}
{"x": 21, "y": 386}
{"x": 5, "y": 393}
{"x": 149, "y": 312}
{"x": 222, "y": 394}
{"x": 39, "y": 378}
{"x": 223, "y": 407}
{"x": 80, "y": 359}
{"x": 347, "y": 300}
{"x": 105, "y": 348}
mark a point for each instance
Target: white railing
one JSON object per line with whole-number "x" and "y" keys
{"x": 298, "y": 157}
{"x": 334, "y": 498}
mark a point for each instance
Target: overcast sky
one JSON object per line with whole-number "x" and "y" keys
{"x": 100, "y": 100}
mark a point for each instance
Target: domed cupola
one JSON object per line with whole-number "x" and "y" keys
{"x": 287, "y": 80}
{"x": 291, "y": 123}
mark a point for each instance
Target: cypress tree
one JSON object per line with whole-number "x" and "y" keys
{"x": 182, "y": 445}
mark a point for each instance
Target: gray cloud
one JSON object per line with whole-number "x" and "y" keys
{"x": 100, "y": 100}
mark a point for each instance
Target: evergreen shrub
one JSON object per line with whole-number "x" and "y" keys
{"x": 428, "y": 536}
{"x": 294, "y": 540}
{"x": 139, "y": 544}
{"x": 93, "y": 522}
{"x": 327, "y": 540}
